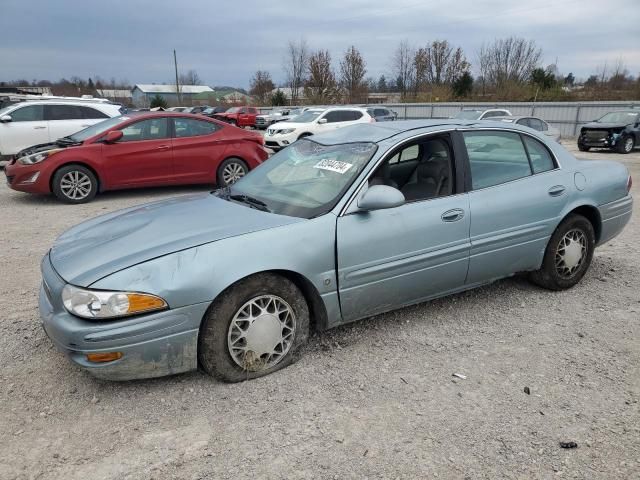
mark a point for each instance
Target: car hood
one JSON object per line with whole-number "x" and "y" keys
{"x": 604, "y": 126}
{"x": 109, "y": 243}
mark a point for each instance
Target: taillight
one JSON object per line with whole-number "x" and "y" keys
{"x": 629, "y": 184}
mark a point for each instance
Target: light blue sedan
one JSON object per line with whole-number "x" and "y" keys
{"x": 335, "y": 228}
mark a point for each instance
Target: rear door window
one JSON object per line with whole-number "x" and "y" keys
{"x": 541, "y": 159}
{"x": 92, "y": 113}
{"x": 62, "y": 112}
{"x": 29, "y": 113}
{"x": 495, "y": 158}
{"x": 188, "y": 127}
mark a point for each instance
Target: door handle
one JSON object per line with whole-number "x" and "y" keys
{"x": 557, "y": 190}
{"x": 452, "y": 215}
{"x": 163, "y": 147}
{"x": 39, "y": 128}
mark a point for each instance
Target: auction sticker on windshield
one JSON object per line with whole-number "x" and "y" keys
{"x": 333, "y": 165}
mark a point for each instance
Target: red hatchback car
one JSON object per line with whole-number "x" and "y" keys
{"x": 137, "y": 150}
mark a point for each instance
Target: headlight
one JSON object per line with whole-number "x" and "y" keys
{"x": 37, "y": 157}
{"x": 103, "y": 304}
{"x": 287, "y": 131}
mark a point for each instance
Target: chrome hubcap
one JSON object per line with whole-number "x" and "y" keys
{"x": 232, "y": 173}
{"x": 628, "y": 144}
{"x": 75, "y": 185}
{"x": 261, "y": 333}
{"x": 571, "y": 252}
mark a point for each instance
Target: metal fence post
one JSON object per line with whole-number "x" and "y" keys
{"x": 575, "y": 126}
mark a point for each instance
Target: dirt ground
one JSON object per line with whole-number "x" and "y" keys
{"x": 375, "y": 399}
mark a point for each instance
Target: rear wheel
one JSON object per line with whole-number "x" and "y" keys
{"x": 626, "y": 144}
{"x": 74, "y": 184}
{"x": 230, "y": 171}
{"x": 255, "y": 328}
{"x": 568, "y": 254}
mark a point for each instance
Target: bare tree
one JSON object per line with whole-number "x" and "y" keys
{"x": 295, "y": 65}
{"x": 261, "y": 86}
{"x": 190, "y": 78}
{"x": 404, "y": 68}
{"x": 508, "y": 60}
{"x": 438, "y": 64}
{"x": 321, "y": 86}
{"x": 352, "y": 72}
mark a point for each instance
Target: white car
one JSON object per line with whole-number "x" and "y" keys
{"x": 479, "y": 114}
{"x": 31, "y": 123}
{"x": 532, "y": 122}
{"x": 312, "y": 121}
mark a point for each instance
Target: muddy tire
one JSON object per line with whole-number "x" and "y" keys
{"x": 254, "y": 328}
{"x": 568, "y": 254}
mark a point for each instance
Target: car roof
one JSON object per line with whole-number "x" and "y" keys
{"x": 515, "y": 117}
{"x": 378, "y": 132}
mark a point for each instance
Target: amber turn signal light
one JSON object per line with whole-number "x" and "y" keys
{"x": 103, "y": 357}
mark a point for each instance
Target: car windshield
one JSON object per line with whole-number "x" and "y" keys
{"x": 468, "y": 115}
{"x": 619, "y": 117}
{"x": 305, "y": 179}
{"x": 233, "y": 110}
{"x": 97, "y": 129}
{"x": 308, "y": 116}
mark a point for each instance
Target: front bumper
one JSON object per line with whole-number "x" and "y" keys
{"x": 279, "y": 141}
{"x": 153, "y": 345}
{"x": 27, "y": 178}
{"x": 598, "y": 140}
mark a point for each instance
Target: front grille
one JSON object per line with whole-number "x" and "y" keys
{"x": 595, "y": 135}
{"x": 260, "y": 121}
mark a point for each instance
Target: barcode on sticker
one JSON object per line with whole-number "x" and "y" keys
{"x": 333, "y": 165}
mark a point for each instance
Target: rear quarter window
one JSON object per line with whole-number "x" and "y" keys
{"x": 541, "y": 159}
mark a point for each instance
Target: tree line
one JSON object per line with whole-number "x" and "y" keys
{"x": 508, "y": 69}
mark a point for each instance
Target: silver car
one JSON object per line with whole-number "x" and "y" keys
{"x": 336, "y": 227}
{"x": 532, "y": 122}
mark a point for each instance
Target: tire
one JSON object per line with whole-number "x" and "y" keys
{"x": 74, "y": 184}
{"x": 233, "y": 122}
{"x": 230, "y": 171}
{"x": 566, "y": 274}
{"x": 304, "y": 135}
{"x": 582, "y": 148}
{"x": 249, "y": 297}
{"x": 626, "y": 145}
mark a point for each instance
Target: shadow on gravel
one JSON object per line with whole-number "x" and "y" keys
{"x": 143, "y": 194}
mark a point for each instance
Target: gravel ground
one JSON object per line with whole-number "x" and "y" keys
{"x": 375, "y": 399}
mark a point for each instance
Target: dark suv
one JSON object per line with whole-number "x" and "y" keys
{"x": 619, "y": 131}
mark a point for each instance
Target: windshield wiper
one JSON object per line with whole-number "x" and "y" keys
{"x": 251, "y": 201}
{"x": 66, "y": 141}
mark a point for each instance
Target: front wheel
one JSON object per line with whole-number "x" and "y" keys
{"x": 255, "y": 328}
{"x": 74, "y": 184}
{"x": 230, "y": 171}
{"x": 626, "y": 144}
{"x": 583, "y": 148}
{"x": 568, "y": 254}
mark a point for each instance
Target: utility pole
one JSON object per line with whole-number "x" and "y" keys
{"x": 175, "y": 63}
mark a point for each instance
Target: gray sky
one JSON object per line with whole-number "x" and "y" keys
{"x": 225, "y": 42}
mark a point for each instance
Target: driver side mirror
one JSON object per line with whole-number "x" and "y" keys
{"x": 6, "y": 119}
{"x": 322, "y": 120}
{"x": 113, "y": 136}
{"x": 378, "y": 197}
